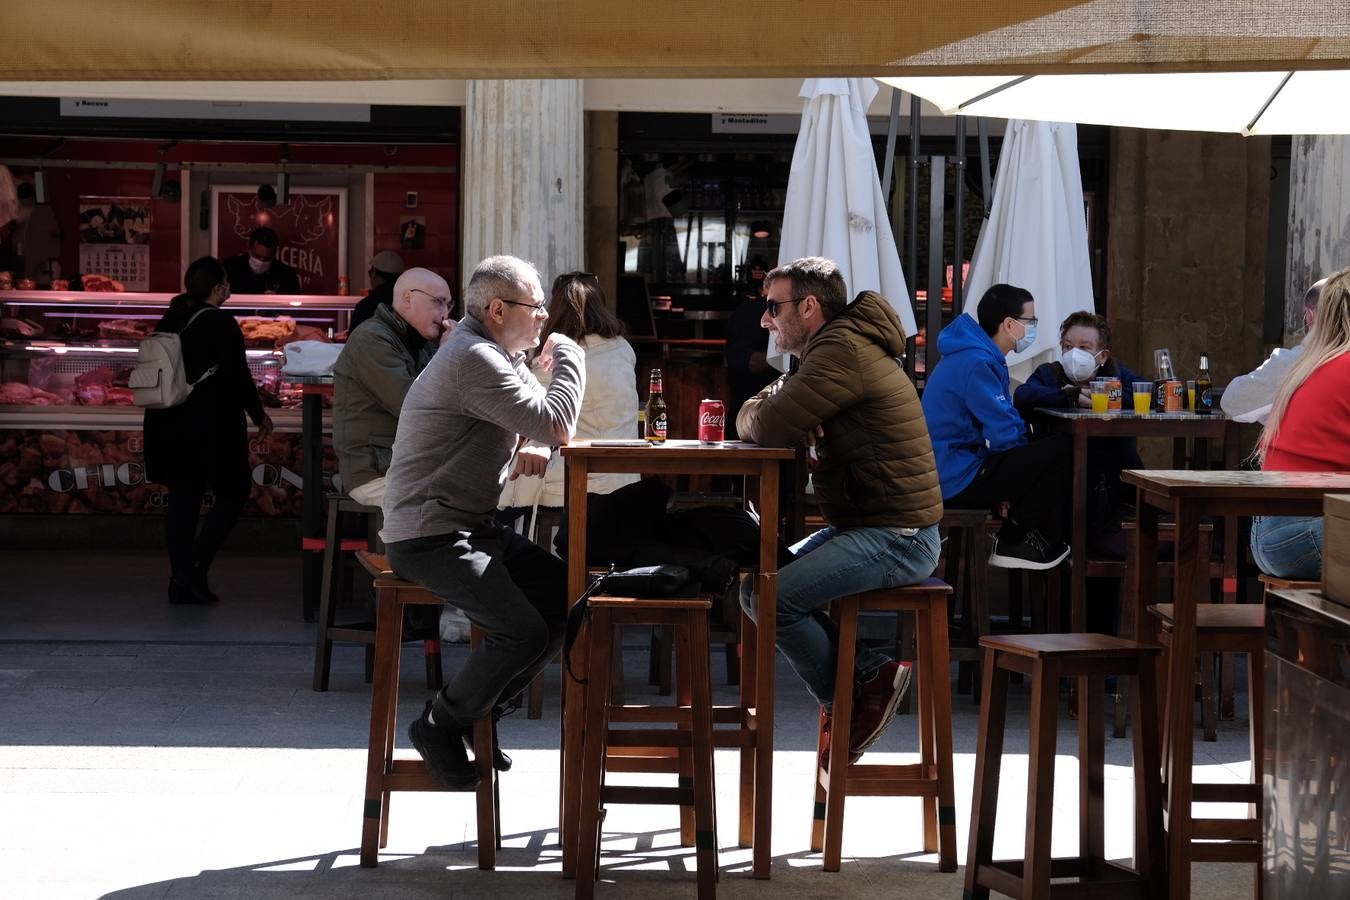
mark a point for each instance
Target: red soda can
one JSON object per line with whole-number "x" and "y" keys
{"x": 712, "y": 422}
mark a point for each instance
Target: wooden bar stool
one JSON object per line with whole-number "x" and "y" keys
{"x": 1048, "y": 658}
{"x": 931, "y": 778}
{"x": 689, "y": 744}
{"x": 385, "y": 773}
{"x": 325, "y": 629}
{"x": 1223, "y": 628}
{"x": 966, "y": 555}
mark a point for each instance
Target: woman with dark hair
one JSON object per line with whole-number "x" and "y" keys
{"x": 577, "y": 309}
{"x": 201, "y": 444}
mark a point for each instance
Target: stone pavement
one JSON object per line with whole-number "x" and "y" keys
{"x": 149, "y": 751}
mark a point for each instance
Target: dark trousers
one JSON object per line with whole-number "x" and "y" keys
{"x": 190, "y": 551}
{"x": 1036, "y": 480}
{"x": 508, "y": 586}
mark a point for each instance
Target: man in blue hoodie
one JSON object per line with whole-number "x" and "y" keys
{"x": 983, "y": 456}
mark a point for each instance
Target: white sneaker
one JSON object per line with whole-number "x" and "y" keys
{"x": 1033, "y": 551}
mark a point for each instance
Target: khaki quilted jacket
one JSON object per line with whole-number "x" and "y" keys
{"x": 875, "y": 464}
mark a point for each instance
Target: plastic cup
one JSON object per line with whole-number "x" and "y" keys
{"x": 1190, "y": 396}
{"x": 1100, "y": 398}
{"x": 1143, "y": 397}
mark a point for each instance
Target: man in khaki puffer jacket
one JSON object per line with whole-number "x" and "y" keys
{"x": 872, "y": 467}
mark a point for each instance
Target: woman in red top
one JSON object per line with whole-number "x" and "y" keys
{"x": 1308, "y": 431}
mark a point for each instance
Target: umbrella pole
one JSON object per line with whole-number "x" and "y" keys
{"x": 985, "y": 181}
{"x": 959, "y": 217}
{"x": 888, "y": 163}
{"x": 912, "y": 229}
{"x": 937, "y": 189}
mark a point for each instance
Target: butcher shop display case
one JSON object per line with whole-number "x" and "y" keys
{"x": 69, "y": 433}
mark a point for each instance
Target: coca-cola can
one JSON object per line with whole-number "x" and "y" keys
{"x": 712, "y": 422}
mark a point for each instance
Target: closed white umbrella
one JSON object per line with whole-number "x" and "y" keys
{"x": 1248, "y": 103}
{"x": 1036, "y": 234}
{"x": 835, "y": 207}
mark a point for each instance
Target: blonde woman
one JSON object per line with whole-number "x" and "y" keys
{"x": 1308, "y": 431}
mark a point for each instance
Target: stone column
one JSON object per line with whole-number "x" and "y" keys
{"x": 523, "y": 174}
{"x": 1319, "y": 218}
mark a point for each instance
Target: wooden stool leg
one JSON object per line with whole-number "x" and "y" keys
{"x": 1125, "y": 628}
{"x": 732, "y": 649}
{"x": 1040, "y": 781}
{"x": 616, "y": 679}
{"x": 927, "y": 739}
{"x": 698, "y": 652}
{"x": 392, "y": 731}
{"x": 818, "y": 810}
{"x": 432, "y": 651}
{"x": 332, "y": 562}
{"x": 840, "y": 736}
{"x": 383, "y": 704}
{"x": 684, "y": 678}
{"x": 1209, "y": 701}
{"x": 1149, "y": 849}
{"x": 593, "y": 753}
{"x": 988, "y": 765}
{"x": 1091, "y": 777}
{"x": 940, "y": 696}
{"x": 745, "y": 826}
{"x": 1256, "y": 725}
{"x": 536, "y": 697}
{"x": 486, "y": 793}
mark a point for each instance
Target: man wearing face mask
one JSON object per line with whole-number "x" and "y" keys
{"x": 983, "y": 454}
{"x": 259, "y": 271}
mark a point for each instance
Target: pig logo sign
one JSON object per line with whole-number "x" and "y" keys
{"x": 311, "y": 230}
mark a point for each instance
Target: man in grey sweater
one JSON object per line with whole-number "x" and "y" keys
{"x": 474, "y": 409}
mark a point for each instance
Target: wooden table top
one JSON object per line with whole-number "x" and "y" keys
{"x": 677, "y": 450}
{"x": 1129, "y": 415}
{"x": 1236, "y": 484}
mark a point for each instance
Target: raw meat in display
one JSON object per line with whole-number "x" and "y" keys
{"x": 102, "y": 377}
{"x": 101, "y": 283}
{"x": 125, "y": 329}
{"x": 120, "y": 396}
{"x": 20, "y": 328}
{"x": 16, "y": 393}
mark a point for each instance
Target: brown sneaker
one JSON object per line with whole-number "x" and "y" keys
{"x": 874, "y": 704}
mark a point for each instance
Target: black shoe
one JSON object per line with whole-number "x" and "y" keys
{"x": 1032, "y": 551}
{"x": 442, "y": 749}
{"x": 185, "y": 595}
{"x": 202, "y": 589}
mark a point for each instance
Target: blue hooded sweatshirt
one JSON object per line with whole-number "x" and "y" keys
{"x": 968, "y": 405}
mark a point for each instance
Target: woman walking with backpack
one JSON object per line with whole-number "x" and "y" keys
{"x": 201, "y": 444}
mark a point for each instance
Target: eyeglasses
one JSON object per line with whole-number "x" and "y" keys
{"x": 1030, "y": 320}
{"x": 771, "y": 307}
{"x": 442, "y": 301}
{"x": 537, "y": 307}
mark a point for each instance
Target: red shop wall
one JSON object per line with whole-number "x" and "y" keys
{"x": 437, "y": 210}
{"x": 66, "y": 186}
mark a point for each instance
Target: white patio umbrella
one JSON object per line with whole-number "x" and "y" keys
{"x": 835, "y": 207}
{"x": 1248, "y": 103}
{"x": 1036, "y": 234}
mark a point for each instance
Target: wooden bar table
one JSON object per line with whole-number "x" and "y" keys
{"x": 1188, "y": 496}
{"x": 753, "y": 715}
{"x": 1084, "y": 424}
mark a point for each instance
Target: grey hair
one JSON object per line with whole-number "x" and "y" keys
{"x": 814, "y": 275}
{"x": 497, "y": 276}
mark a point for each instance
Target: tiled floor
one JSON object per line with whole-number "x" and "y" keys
{"x": 156, "y": 751}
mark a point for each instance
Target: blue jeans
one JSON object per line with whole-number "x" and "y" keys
{"x": 833, "y": 563}
{"x": 1288, "y": 546}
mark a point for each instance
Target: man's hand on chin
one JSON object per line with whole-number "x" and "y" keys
{"x": 530, "y": 460}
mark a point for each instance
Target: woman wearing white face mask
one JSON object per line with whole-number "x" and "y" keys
{"x": 1085, "y": 354}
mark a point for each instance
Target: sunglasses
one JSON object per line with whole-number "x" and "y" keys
{"x": 772, "y": 308}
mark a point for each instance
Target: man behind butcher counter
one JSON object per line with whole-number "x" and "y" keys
{"x": 472, "y": 410}
{"x": 259, "y": 271}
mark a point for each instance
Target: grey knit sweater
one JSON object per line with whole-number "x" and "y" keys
{"x": 460, "y": 424}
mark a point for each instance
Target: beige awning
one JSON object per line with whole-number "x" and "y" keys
{"x": 437, "y": 39}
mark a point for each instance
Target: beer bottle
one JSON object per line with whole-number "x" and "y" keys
{"x": 657, "y": 416}
{"x": 1204, "y": 388}
{"x": 1162, "y": 361}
